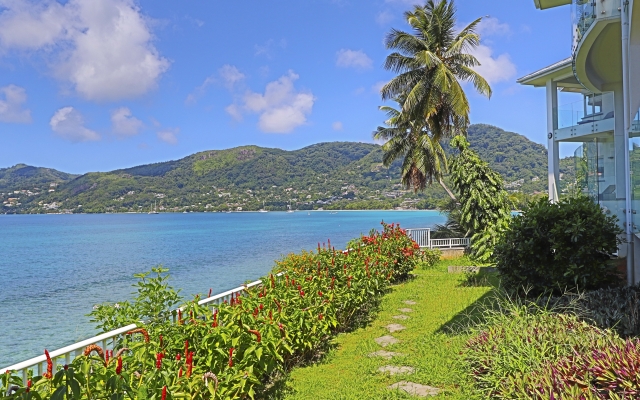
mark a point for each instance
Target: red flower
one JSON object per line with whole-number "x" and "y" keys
{"x": 273, "y": 281}
{"x": 164, "y": 393}
{"x": 209, "y": 292}
{"x": 257, "y": 334}
{"x": 319, "y": 293}
{"x": 278, "y": 304}
{"x": 186, "y": 349}
{"x": 161, "y": 341}
{"x": 270, "y": 315}
{"x": 261, "y": 307}
{"x": 255, "y": 312}
{"x": 231, "y": 357}
{"x": 29, "y": 383}
{"x": 159, "y": 358}
{"x": 179, "y": 316}
{"x": 189, "y": 364}
{"x": 320, "y": 317}
{"x": 180, "y": 373}
{"x": 178, "y": 357}
{"x": 119, "y": 366}
{"x": 302, "y": 293}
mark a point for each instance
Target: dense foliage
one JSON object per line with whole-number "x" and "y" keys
{"x": 484, "y": 207}
{"x": 26, "y": 177}
{"x": 528, "y": 353}
{"x": 236, "y": 350}
{"x": 558, "y": 247}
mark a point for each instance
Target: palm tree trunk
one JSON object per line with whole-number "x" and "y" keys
{"x": 449, "y": 192}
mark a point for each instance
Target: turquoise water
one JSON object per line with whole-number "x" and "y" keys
{"x": 54, "y": 268}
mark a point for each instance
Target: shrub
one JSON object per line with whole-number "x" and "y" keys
{"x": 235, "y": 349}
{"x": 616, "y": 308}
{"x": 555, "y": 247}
{"x": 430, "y": 257}
{"x": 527, "y": 352}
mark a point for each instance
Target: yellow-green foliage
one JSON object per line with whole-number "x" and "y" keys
{"x": 219, "y": 159}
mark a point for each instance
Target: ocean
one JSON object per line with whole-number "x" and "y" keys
{"x": 54, "y": 268}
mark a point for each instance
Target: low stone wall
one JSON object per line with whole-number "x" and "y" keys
{"x": 450, "y": 254}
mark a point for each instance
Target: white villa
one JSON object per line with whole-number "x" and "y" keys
{"x": 604, "y": 68}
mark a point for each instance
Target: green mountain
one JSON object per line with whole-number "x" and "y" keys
{"x": 25, "y": 177}
{"x": 339, "y": 175}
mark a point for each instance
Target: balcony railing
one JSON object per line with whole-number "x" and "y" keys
{"x": 422, "y": 236}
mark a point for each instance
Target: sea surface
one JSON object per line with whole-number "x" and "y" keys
{"x": 54, "y": 268}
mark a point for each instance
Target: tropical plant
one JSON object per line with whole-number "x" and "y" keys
{"x": 431, "y": 63}
{"x": 557, "y": 247}
{"x": 485, "y": 209}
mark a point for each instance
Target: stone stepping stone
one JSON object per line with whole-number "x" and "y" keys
{"x": 405, "y": 310}
{"x": 393, "y": 370}
{"x": 395, "y": 328}
{"x": 410, "y": 302}
{"x": 400, "y": 317}
{"x": 415, "y": 389}
{"x": 385, "y": 354}
{"x": 385, "y": 341}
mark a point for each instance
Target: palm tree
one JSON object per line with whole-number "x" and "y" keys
{"x": 424, "y": 157}
{"x": 431, "y": 63}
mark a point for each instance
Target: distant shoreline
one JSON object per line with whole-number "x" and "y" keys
{"x": 221, "y": 212}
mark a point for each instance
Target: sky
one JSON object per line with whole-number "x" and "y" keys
{"x": 97, "y": 85}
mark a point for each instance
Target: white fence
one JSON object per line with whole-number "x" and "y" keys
{"x": 422, "y": 236}
{"x": 39, "y": 364}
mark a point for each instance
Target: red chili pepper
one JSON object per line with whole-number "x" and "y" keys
{"x": 119, "y": 366}
{"x": 164, "y": 393}
{"x": 231, "y": 357}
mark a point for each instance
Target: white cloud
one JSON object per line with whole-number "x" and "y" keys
{"x": 337, "y": 126}
{"x": 68, "y": 123}
{"x": 169, "y": 136}
{"x": 267, "y": 49}
{"x": 11, "y": 110}
{"x": 494, "y": 69}
{"x": 353, "y": 59}
{"x": 102, "y": 48}
{"x": 490, "y": 26}
{"x": 124, "y": 124}
{"x": 281, "y": 108}
{"x": 228, "y": 75}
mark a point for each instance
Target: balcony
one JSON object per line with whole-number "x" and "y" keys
{"x": 591, "y": 117}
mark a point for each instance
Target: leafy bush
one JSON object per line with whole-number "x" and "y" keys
{"x": 519, "y": 341}
{"x": 555, "y": 247}
{"x": 525, "y": 351}
{"x": 616, "y": 308}
{"x": 236, "y": 349}
{"x": 430, "y": 257}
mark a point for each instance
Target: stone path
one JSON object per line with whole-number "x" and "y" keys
{"x": 395, "y": 328}
{"x": 411, "y": 388}
{"x": 415, "y": 389}
{"x": 385, "y": 354}
{"x": 385, "y": 341}
{"x": 393, "y": 370}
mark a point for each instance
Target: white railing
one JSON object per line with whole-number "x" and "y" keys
{"x": 422, "y": 236}
{"x": 68, "y": 353}
{"x": 450, "y": 243}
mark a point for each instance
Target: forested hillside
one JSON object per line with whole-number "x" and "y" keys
{"x": 339, "y": 175}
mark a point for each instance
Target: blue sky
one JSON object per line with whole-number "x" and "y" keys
{"x": 95, "y": 85}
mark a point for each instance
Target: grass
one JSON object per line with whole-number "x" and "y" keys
{"x": 349, "y": 373}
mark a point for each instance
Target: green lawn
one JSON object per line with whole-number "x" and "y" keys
{"x": 349, "y": 373}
